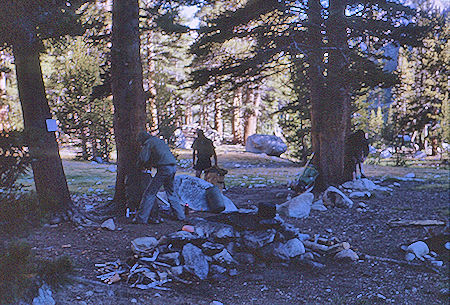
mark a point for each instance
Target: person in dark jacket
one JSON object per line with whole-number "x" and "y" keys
{"x": 203, "y": 151}
{"x": 155, "y": 153}
{"x": 357, "y": 150}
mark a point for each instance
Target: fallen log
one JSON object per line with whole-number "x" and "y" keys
{"x": 315, "y": 246}
{"x": 399, "y": 262}
{"x": 420, "y": 223}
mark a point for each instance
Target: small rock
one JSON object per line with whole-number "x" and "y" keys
{"x": 307, "y": 255}
{"x": 210, "y": 248}
{"x": 297, "y": 207}
{"x": 318, "y": 206}
{"x": 362, "y": 205}
{"x": 347, "y": 255}
{"x": 143, "y": 244}
{"x": 334, "y": 197}
{"x": 437, "y": 263}
{"x": 410, "y": 257}
{"x": 177, "y": 270}
{"x": 89, "y": 293}
{"x": 216, "y": 269}
{"x": 133, "y": 300}
{"x": 224, "y": 258}
{"x": 365, "y": 194}
{"x": 303, "y": 236}
{"x": 291, "y": 248}
{"x": 233, "y": 272}
{"x": 380, "y": 296}
{"x": 109, "y": 224}
{"x": 44, "y": 296}
{"x": 419, "y": 248}
{"x": 256, "y": 240}
{"x": 195, "y": 261}
{"x": 410, "y": 175}
{"x": 216, "y": 303}
{"x": 172, "y": 258}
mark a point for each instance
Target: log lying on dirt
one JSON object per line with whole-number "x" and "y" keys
{"x": 408, "y": 223}
{"x": 329, "y": 250}
{"x": 399, "y": 262}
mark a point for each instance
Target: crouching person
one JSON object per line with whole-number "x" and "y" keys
{"x": 155, "y": 153}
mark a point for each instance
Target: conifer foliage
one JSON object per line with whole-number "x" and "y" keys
{"x": 333, "y": 37}
{"x": 25, "y": 24}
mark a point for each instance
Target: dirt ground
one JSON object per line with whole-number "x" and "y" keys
{"x": 363, "y": 282}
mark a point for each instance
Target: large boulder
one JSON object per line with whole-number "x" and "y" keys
{"x": 268, "y": 144}
{"x": 192, "y": 190}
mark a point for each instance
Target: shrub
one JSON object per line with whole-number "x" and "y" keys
{"x": 15, "y": 271}
{"x": 21, "y": 273}
{"x": 18, "y": 212}
{"x": 54, "y": 272}
{"x": 14, "y": 158}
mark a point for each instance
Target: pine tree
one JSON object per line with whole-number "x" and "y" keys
{"x": 422, "y": 94}
{"x": 25, "y": 24}
{"x": 332, "y": 38}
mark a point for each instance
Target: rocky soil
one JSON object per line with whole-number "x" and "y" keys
{"x": 362, "y": 282}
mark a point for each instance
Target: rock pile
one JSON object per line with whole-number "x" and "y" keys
{"x": 219, "y": 246}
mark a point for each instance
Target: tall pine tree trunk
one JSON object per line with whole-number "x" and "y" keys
{"x": 49, "y": 178}
{"x": 251, "y": 121}
{"x": 218, "y": 119}
{"x": 330, "y": 97}
{"x": 236, "y": 120}
{"x": 127, "y": 89}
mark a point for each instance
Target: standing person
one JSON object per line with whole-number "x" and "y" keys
{"x": 156, "y": 153}
{"x": 203, "y": 151}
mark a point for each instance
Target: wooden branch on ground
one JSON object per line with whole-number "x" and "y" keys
{"x": 399, "y": 262}
{"x": 420, "y": 223}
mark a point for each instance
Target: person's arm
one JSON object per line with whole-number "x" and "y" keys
{"x": 143, "y": 157}
{"x": 194, "y": 154}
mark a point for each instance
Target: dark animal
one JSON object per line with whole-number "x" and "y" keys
{"x": 356, "y": 151}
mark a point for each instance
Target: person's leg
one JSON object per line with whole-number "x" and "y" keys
{"x": 172, "y": 196}
{"x": 147, "y": 205}
{"x": 198, "y": 173}
{"x": 360, "y": 164}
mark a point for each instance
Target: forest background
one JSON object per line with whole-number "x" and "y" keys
{"x": 233, "y": 82}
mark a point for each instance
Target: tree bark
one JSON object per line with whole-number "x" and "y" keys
{"x": 218, "y": 119}
{"x": 49, "y": 178}
{"x": 340, "y": 99}
{"x": 236, "y": 124}
{"x": 128, "y": 92}
{"x": 251, "y": 120}
{"x": 330, "y": 96}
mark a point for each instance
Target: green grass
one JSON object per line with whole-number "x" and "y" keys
{"x": 85, "y": 177}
